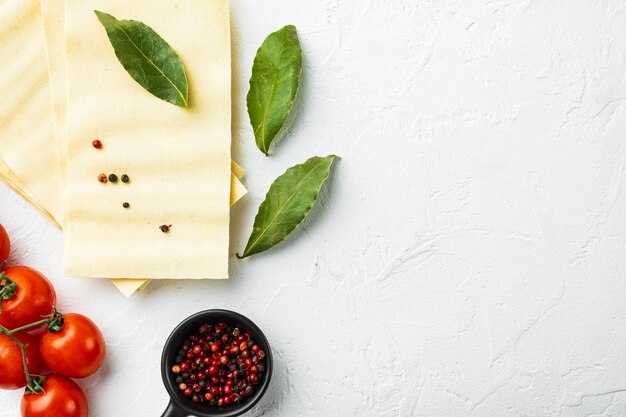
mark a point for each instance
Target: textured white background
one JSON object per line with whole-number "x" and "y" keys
{"x": 468, "y": 258}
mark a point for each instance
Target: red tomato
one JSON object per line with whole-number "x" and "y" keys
{"x": 35, "y": 298}
{"x": 61, "y": 397}
{"x": 5, "y": 245}
{"x": 77, "y": 351}
{"x": 11, "y": 366}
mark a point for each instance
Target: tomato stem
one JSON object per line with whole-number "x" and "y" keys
{"x": 30, "y": 326}
{"x": 54, "y": 321}
{"x": 8, "y": 289}
{"x": 29, "y": 379}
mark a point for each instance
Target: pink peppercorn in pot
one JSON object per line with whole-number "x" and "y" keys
{"x": 215, "y": 363}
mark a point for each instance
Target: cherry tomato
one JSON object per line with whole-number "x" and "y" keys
{"x": 77, "y": 351}
{"x": 5, "y": 245}
{"x": 61, "y": 397}
{"x": 34, "y": 298}
{"x": 11, "y": 366}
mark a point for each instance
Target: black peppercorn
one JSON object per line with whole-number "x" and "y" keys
{"x": 113, "y": 178}
{"x": 165, "y": 228}
{"x": 126, "y": 205}
{"x": 125, "y": 178}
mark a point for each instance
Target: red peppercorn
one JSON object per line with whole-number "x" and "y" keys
{"x": 97, "y": 144}
{"x": 102, "y": 178}
{"x": 220, "y": 366}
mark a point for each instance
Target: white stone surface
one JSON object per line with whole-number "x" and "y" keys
{"x": 468, "y": 258}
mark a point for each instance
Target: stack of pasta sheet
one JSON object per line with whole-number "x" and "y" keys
{"x": 63, "y": 87}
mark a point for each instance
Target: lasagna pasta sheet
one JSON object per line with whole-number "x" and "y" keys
{"x": 178, "y": 160}
{"x": 54, "y": 24}
{"x": 27, "y": 146}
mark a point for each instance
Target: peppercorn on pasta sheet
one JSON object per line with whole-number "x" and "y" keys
{"x": 178, "y": 160}
{"x": 27, "y": 145}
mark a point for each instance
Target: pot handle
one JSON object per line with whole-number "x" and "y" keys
{"x": 173, "y": 411}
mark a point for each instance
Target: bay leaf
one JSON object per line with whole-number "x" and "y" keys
{"x": 274, "y": 84}
{"x": 287, "y": 203}
{"x": 148, "y": 58}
